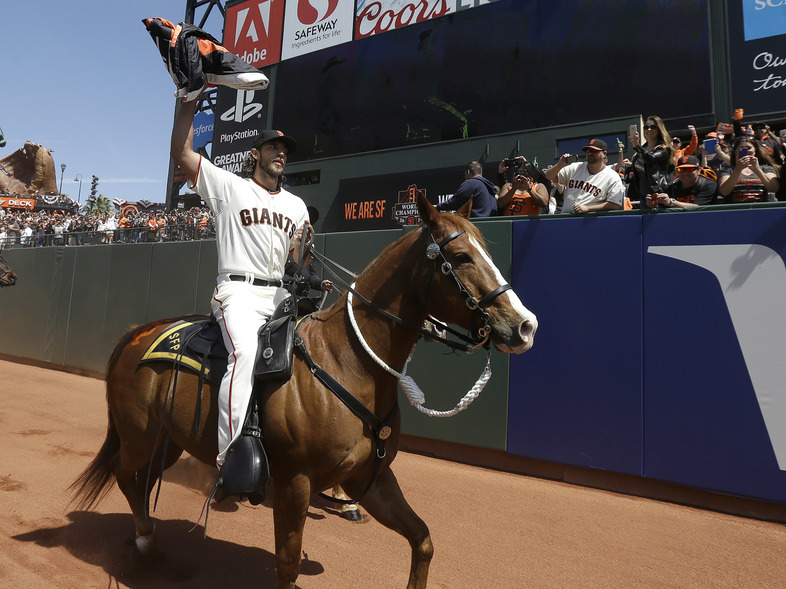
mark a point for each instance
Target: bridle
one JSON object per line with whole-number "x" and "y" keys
{"x": 479, "y": 331}
{"x": 479, "y": 316}
{"x": 5, "y": 276}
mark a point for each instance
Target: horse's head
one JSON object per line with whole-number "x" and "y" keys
{"x": 466, "y": 288}
{"x": 7, "y": 276}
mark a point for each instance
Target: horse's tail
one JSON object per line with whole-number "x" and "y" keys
{"x": 96, "y": 480}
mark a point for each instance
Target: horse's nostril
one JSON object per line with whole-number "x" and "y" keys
{"x": 527, "y": 330}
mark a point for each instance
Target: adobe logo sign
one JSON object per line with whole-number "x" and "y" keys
{"x": 253, "y": 31}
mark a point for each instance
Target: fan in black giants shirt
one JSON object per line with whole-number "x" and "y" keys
{"x": 690, "y": 189}
{"x": 751, "y": 174}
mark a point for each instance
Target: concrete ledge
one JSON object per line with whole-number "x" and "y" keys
{"x": 597, "y": 479}
{"x": 51, "y": 366}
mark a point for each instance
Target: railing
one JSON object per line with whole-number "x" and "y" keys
{"x": 182, "y": 232}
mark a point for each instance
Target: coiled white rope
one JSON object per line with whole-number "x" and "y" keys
{"x": 411, "y": 389}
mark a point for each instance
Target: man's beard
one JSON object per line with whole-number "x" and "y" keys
{"x": 270, "y": 169}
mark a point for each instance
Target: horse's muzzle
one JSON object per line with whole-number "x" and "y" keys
{"x": 515, "y": 338}
{"x": 7, "y": 279}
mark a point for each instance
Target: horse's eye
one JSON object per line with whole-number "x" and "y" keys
{"x": 462, "y": 258}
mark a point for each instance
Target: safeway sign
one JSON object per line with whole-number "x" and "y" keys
{"x": 253, "y": 31}
{"x": 311, "y": 25}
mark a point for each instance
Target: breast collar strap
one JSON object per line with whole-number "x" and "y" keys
{"x": 380, "y": 428}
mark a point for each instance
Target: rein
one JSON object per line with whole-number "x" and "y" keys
{"x": 324, "y": 261}
{"x": 434, "y": 253}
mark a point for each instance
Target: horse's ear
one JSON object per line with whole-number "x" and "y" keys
{"x": 466, "y": 209}
{"x": 427, "y": 211}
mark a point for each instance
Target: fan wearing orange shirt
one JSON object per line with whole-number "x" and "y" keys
{"x": 523, "y": 196}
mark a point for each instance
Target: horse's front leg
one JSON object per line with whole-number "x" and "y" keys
{"x": 386, "y": 503}
{"x": 290, "y": 507}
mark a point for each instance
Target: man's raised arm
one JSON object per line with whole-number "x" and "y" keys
{"x": 182, "y": 147}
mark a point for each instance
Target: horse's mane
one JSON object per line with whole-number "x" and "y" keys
{"x": 458, "y": 222}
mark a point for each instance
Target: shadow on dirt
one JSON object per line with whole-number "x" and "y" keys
{"x": 179, "y": 559}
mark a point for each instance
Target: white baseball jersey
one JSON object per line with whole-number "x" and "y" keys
{"x": 254, "y": 227}
{"x": 584, "y": 188}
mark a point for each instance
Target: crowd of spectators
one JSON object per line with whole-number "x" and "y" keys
{"x": 736, "y": 163}
{"x": 63, "y": 228}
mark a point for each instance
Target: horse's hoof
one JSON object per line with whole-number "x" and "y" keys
{"x": 352, "y": 515}
{"x": 144, "y": 544}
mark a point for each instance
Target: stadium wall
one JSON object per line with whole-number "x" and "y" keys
{"x": 657, "y": 362}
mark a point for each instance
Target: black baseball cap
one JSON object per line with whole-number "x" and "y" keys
{"x": 272, "y": 134}
{"x": 688, "y": 161}
{"x": 597, "y": 144}
{"x": 758, "y": 125}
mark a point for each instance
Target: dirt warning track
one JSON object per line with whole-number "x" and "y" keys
{"x": 490, "y": 529}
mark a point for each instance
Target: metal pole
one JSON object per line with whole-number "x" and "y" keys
{"x": 62, "y": 171}
{"x": 79, "y": 198}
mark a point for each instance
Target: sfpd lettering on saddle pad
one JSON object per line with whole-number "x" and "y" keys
{"x": 195, "y": 344}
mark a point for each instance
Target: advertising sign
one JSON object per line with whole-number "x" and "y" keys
{"x": 252, "y": 30}
{"x": 715, "y": 404}
{"x": 663, "y": 355}
{"x": 203, "y": 129}
{"x": 311, "y": 25}
{"x": 387, "y": 202}
{"x": 17, "y": 203}
{"x": 757, "y": 58}
{"x": 379, "y": 16}
{"x": 239, "y": 118}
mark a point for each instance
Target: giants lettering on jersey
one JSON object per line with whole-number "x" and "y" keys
{"x": 278, "y": 220}
{"x": 585, "y": 186}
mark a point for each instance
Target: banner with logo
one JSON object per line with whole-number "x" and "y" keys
{"x": 17, "y": 203}
{"x": 757, "y": 56}
{"x": 379, "y": 16}
{"x": 252, "y": 30}
{"x": 311, "y": 25}
{"x": 203, "y": 129}
{"x": 677, "y": 372}
{"x": 387, "y": 202}
{"x": 239, "y": 117}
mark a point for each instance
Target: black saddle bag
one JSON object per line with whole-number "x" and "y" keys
{"x": 276, "y": 343}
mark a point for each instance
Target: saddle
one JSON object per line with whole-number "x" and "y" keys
{"x": 196, "y": 344}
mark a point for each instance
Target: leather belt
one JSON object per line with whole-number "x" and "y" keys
{"x": 256, "y": 281}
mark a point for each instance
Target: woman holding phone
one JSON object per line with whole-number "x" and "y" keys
{"x": 751, "y": 174}
{"x": 652, "y": 163}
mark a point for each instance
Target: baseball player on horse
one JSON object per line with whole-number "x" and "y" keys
{"x": 258, "y": 223}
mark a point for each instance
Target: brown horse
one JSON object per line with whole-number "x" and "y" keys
{"x": 7, "y": 276}
{"x": 313, "y": 440}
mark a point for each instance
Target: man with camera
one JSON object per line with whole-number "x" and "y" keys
{"x": 588, "y": 186}
{"x": 522, "y": 195}
{"x": 689, "y": 190}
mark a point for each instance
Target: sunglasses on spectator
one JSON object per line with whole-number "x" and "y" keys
{"x": 686, "y": 169}
{"x": 650, "y": 126}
